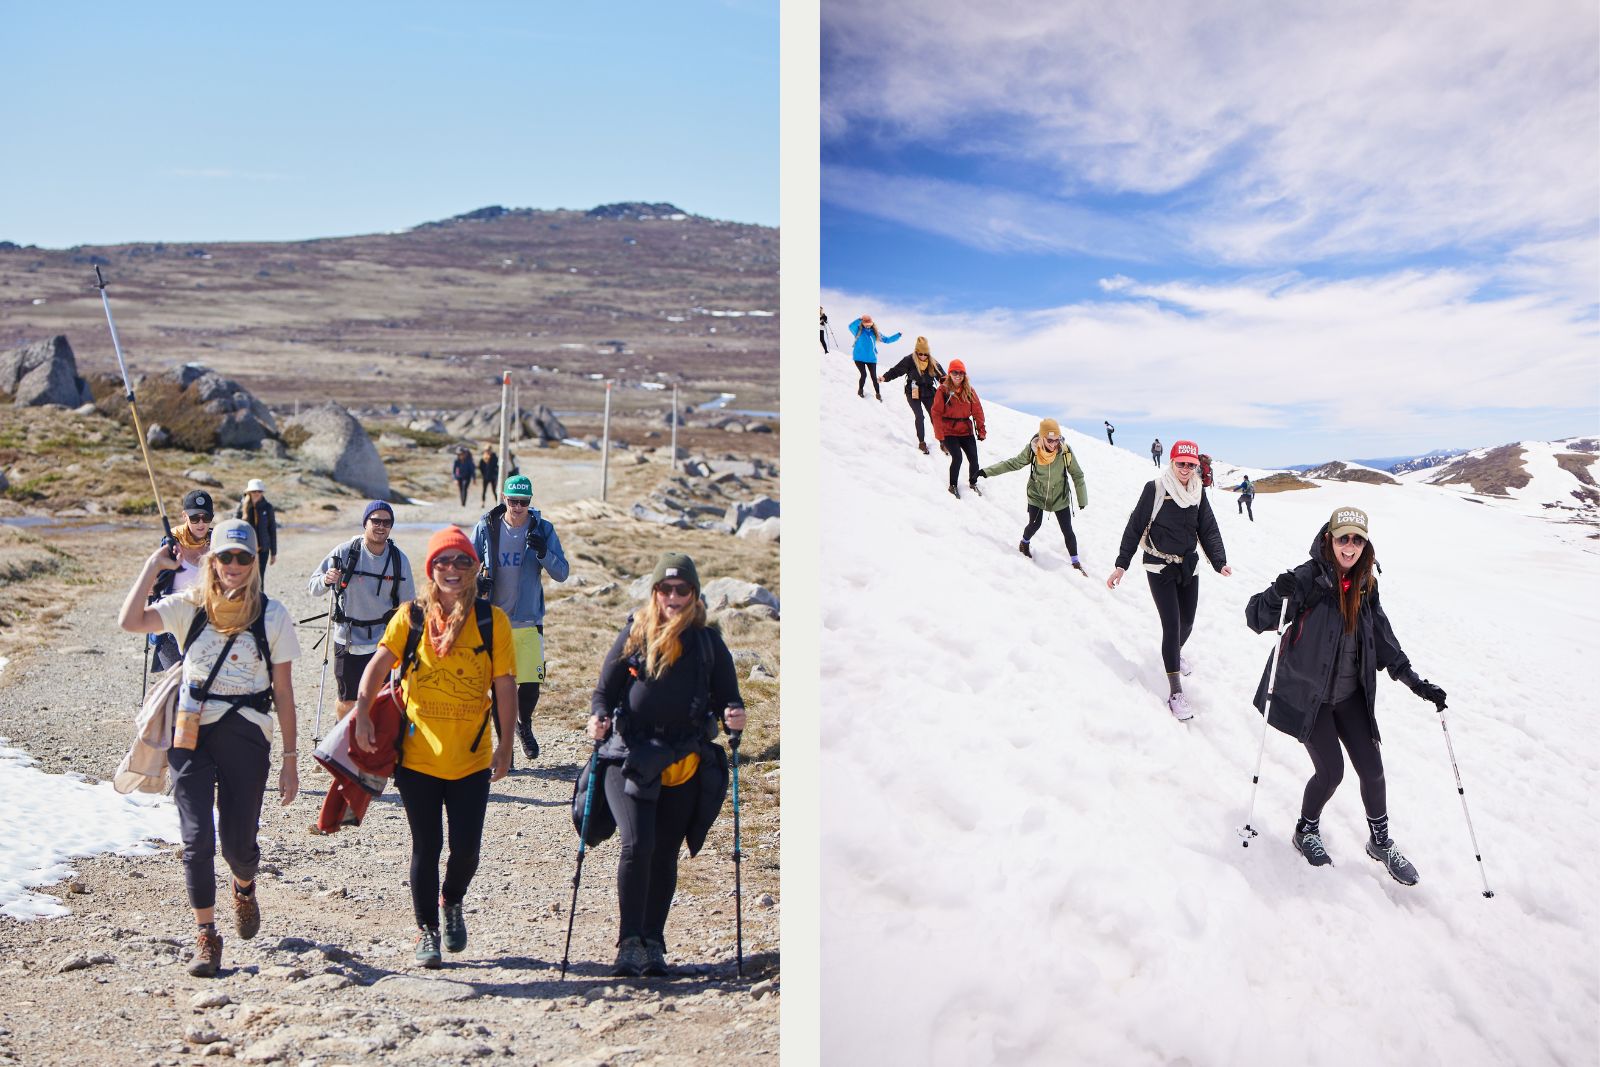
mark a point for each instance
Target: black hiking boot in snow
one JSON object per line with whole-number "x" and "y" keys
{"x": 1309, "y": 845}
{"x": 974, "y": 487}
{"x": 955, "y": 492}
{"x": 631, "y": 958}
{"x": 1022, "y": 546}
{"x": 922, "y": 446}
{"x": 1388, "y": 854}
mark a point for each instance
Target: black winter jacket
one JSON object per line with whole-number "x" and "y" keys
{"x": 926, "y": 384}
{"x": 266, "y": 525}
{"x": 1177, "y": 530}
{"x": 1308, "y": 655}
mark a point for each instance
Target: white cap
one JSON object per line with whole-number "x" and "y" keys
{"x": 256, "y": 486}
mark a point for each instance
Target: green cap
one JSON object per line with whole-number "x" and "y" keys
{"x": 518, "y": 485}
{"x": 1342, "y": 521}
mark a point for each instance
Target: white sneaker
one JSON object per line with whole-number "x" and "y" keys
{"x": 1178, "y": 704}
{"x": 1184, "y": 667}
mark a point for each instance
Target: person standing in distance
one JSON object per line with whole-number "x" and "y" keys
{"x": 370, "y": 578}
{"x": 517, "y": 546}
{"x": 489, "y": 471}
{"x": 1155, "y": 452}
{"x": 1110, "y": 429}
{"x": 462, "y": 472}
{"x": 865, "y": 353}
{"x": 258, "y": 511}
{"x": 1247, "y": 496}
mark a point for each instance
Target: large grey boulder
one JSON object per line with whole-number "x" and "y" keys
{"x": 340, "y": 448}
{"x": 762, "y": 507}
{"x": 246, "y": 421}
{"x": 735, "y": 593}
{"x": 761, "y": 530}
{"x": 45, "y": 372}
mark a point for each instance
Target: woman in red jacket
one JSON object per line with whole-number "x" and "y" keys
{"x": 957, "y": 416}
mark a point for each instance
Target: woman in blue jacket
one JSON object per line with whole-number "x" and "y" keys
{"x": 865, "y": 353}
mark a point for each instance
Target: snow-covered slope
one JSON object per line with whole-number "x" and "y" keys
{"x": 1027, "y": 860}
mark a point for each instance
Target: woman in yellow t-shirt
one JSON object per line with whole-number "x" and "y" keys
{"x": 445, "y": 764}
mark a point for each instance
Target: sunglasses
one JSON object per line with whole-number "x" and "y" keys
{"x": 1187, "y": 466}
{"x": 234, "y": 558}
{"x": 516, "y": 502}
{"x": 1347, "y": 539}
{"x": 958, "y": 374}
{"x": 1052, "y": 439}
{"x": 458, "y": 562}
{"x": 199, "y": 516}
{"x": 674, "y": 588}
{"x": 385, "y": 523}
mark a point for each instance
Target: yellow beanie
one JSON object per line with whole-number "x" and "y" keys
{"x": 1049, "y": 426}
{"x": 922, "y": 346}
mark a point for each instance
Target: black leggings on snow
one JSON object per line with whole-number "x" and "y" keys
{"x": 918, "y": 406}
{"x": 1063, "y": 519}
{"x": 956, "y": 446}
{"x": 228, "y": 764}
{"x": 1176, "y": 604}
{"x": 652, "y": 834}
{"x": 428, "y": 800}
{"x": 1346, "y": 721}
{"x": 861, "y": 379}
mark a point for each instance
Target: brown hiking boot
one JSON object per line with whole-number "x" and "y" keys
{"x": 207, "y": 953}
{"x": 246, "y": 913}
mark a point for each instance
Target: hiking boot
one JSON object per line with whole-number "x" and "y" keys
{"x": 455, "y": 926}
{"x": 861, "y": 393}
{"x": 974, "y": 487}
{"x": 880, "y": 398}
{"x": 246, "y": 912}
{"x": 655, "y": 952}
{"x": 631, "y": 958}
{"x": 1178, "y": 704}
{"x": 427, "y": 952}
{"x": 1077, "y": 566}
{"x": 1388, "y": 854}
{"x": 955, "y": 492}
{"x": 1309, "y": 845}
{"x": 530, "y": 744}
{"x": 922, "y": 446}
{"x": 1022, "y": 546}
{"x": 207, "y": 953}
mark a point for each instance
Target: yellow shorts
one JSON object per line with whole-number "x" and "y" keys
{"x": 528, "y": 645}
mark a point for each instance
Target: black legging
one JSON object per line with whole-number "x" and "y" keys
{"x": 861, "y": 380}
{"x": 956, "y": 445}
{"x": 1063, "y": 519}
{"x": 1175, "y": 603}
{"x": 1345, "y": 721}
{"x": 1247, "y": 503}
{"x": 527, "y": 700}
{"x": 918, "y": 406}
{"x": 465, "y": 485}
{"x": 428, "y": 800}
{"x": 652, "y": 834}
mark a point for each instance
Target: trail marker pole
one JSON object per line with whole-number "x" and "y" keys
{"x": 605, "y": 446}
{"x": 505, "y": 455}
{"x": 674, "y": 427}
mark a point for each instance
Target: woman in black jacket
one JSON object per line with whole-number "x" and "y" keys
{"x": 1174, "y": 524}
{"x": 923, "y": 375}
{"x": 462, "y": 471}
{"x": 258, "y": 511}
{"x": 667, "y": 681}
{"x": 1337, "y": 640}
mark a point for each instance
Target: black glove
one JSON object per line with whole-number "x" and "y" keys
{"x": 1285, "y": 584}
{"x": 983, "y": 473}
{"x": 538, "y": 542}
{"x": 1429, "y": 692}
{"x": 1083, "y": 507}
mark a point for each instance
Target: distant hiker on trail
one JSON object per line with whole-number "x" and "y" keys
{"x": 1205, "y": 470}
{"x": 1110, "y": 429}
{"x": 1175, "y": 517}
{"x": 923, "y": 375}
{"x": 258, "y": 511}
{"x": 222, "y": 740}
{"x": 1155, "y": 451}
{"x": 518, "y": 546}
{"x": 489, "y": 472}
{"x": 865, "y": 353}
{"x": 822, "y": 328}
{"x": 445, "y": 763}
{"x": 1049, "y": 462}
{"x": 957, "y": 416}
{"x": 462, "y": 472}
{"x": 370, "y": 577}
{"x": 191, "y": 537}
{"x": 1336, "y": 640}
{"x": 670, "y": 681}
{"x": 1247, "y": 496}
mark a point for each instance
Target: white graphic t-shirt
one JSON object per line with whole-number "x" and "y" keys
{"x": 243, "y": 673}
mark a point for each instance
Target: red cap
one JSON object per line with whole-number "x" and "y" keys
{"x": 1185, "y": 450}
{"x": 956, "y": 366}
{"x": 449, "y": 539}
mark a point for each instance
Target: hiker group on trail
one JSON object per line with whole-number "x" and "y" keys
{"x": 426, "y": 667}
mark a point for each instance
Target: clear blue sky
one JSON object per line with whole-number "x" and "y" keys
{"x": 1293, "y": 233}
{"x": 215, "y": 122}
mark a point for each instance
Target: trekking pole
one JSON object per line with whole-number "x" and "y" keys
{"x": 327, "y": 643}
{"x": 738, "y": 854}
{"x": 1487, "y": 892}
{"x": 144, "y": 446}
{"x": 583, "y": 846}
{"x": 1246, "y": 832}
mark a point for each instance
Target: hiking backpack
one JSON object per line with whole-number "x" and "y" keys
{"x": 259, "y": 701}
{"x": 390, "y": 568}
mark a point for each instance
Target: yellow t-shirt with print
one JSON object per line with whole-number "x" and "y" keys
{"x": 447, "y": 699}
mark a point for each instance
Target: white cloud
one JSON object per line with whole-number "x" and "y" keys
{"x": 1360, "y": 354}
{"x": 1290, "y": 132}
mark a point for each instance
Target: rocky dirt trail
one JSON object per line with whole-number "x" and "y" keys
{"x": 329, "y": 979}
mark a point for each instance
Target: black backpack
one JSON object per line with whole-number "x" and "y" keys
{"x": 347, "y": 570}
{"x": 260, "y": 701}
{"x": 483, "y": 615}
{"x": 492, "y": 532}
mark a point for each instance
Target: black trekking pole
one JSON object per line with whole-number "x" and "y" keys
{"x": 144, "y": 446}
{"x": 1487, "y": 892}
{"x": 1246, "y": 832}
{"x": 583, "y": 846}
{"x": 327, "y": 644}
{"x": 738, "y": 854}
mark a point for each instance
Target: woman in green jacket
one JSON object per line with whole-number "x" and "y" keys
{"x": 1049, "y": 462}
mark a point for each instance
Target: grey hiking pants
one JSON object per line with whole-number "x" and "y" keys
{"x": 228, "y": 765}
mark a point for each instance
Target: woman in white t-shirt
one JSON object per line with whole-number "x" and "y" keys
{"x": 236, "y": 670}
{"x": 190, "y": 538}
